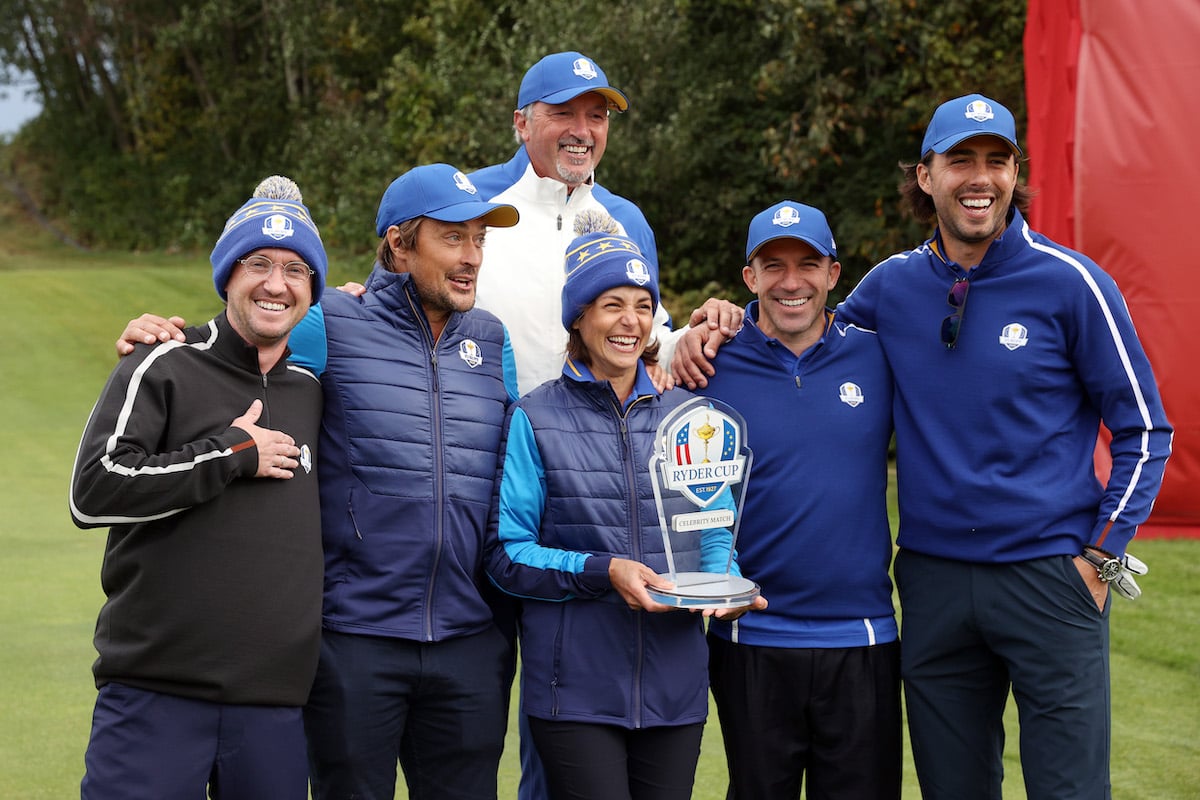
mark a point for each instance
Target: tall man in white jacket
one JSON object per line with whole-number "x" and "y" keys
{"x": 561, "y": 121}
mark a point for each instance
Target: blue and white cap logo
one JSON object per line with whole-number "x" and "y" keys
{"x": 278, "y": 226}
{"x": 701, "y": 454}
{"x": 584, "y": 69}
{"x": 469, "y": 352}
{"x": 464, "y": 183}
{"x": 786, "y": 217}
{"x": 979, "y": 111}
{"x": 636, "y": 271}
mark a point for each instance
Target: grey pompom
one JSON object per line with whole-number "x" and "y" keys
{"x": 595, "y": 222}
{"x": 278, "y": 187}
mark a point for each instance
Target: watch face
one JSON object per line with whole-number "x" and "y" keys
{"x": 1110, "y": 570}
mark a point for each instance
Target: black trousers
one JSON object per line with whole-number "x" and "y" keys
{"x": 586, "y": 761}
{"x": 439, "y": 708}
{"x": 831, "y": 715}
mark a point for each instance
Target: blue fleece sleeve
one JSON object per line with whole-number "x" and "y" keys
{"x": 520, "y": 565}
{"x": 310, "y": 348}
{"x": 716, "y": 543}
{"x": 510, "y": 369}
{"x": 859, "y": 306}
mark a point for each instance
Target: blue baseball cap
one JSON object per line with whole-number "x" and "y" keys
{"x": 441, "y": 192}
{"x": 559, "y": 77}
{"x": 790, "y": 220}
{"x": 964, "y": 117}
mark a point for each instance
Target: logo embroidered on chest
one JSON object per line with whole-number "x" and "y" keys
{"x": 469, "y": 352}
{"x": 1014, "y": 335}
{"x": 851, "y": 394}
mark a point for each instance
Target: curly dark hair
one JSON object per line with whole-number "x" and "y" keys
{"x": 920, "y": 204}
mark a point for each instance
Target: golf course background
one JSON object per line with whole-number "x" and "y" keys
{"x": 61, "y": 309}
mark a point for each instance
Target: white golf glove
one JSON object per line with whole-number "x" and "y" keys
{"x": 1124, "y": 584}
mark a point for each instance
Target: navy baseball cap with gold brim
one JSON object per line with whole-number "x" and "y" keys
{"x": 560, "y": 77}
{"x": 964, "y": 117}
{"x": 442, "y": 192}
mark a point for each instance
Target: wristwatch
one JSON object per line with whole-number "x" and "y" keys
{"x": 1108, "y": 565}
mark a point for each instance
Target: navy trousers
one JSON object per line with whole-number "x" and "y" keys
{"x": 973, "y": 631}
{"x": 151, "y": 746}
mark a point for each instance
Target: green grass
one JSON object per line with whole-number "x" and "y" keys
{"x": 60, "y": 311}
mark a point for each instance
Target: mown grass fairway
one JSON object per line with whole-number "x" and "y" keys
{"x": 60, "y": 311}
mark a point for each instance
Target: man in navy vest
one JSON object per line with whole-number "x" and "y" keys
{"x": 417, "y": 381}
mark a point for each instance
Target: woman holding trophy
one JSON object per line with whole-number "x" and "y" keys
{"x": 615, "y": 683}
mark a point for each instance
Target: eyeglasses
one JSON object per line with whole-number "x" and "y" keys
{"x": 295, "y": 273}
{"x": 957, "y": 297}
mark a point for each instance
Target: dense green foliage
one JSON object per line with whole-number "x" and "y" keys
{"x": 160, "y": 116}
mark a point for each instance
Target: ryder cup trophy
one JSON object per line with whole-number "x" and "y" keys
{"x": 699, "y": 470}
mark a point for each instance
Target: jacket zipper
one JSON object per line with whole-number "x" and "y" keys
{"x": 265, "y": 419}
{"x": 635, "y": 540}
{"x": 439, "y": 487}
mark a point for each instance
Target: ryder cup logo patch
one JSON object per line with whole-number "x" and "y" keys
{"x": 851, "y": 394}
{"x": 786, "y": 217}
{"x": 584, "y": 69}
{"x": 1014, "y": 335}
{"x": 636, "y": 271}
{"x": 702, "y": 454}
{"x": 464, "y": 183}
{"x": 278, "y": 226}
{"x": 979, "y": 111}
{"x": 469, "y": 352}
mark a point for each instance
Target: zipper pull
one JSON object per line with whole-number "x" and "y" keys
{"x": 560, "y": 222}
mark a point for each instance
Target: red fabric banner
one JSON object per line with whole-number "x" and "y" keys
{"x": 1113, "y": 108}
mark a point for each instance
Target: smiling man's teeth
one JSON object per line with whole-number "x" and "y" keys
{"x": 976, "y": 203}
{"x": 575, "y": 149}
{"x": 794, "y": 303}
{"x": 271, "y": 306}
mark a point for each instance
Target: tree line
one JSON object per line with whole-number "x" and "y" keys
{"x": 159, "y": 116}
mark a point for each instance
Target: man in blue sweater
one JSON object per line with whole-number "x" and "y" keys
{"x": 1008, "y": 352}
{"x": 1008, "y": 542}
{"x": 809, "y": 689}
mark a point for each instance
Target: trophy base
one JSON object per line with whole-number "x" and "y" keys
{"x": 706, "y": 590}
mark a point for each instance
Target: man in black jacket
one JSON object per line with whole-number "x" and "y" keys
{"x": 200, "y": 455}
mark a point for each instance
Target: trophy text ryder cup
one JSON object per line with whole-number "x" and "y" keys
{"x": 699, "y": 470}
